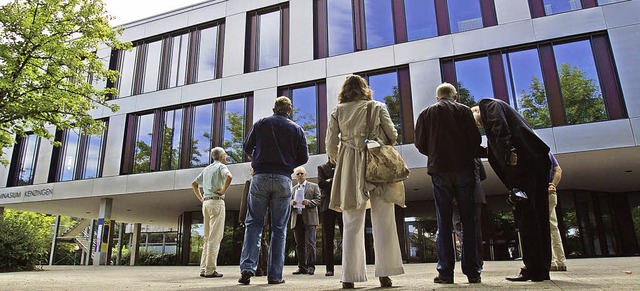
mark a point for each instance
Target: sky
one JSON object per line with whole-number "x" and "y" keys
{"x": 127, "y": 11}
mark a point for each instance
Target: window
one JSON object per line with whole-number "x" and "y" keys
{"x": 267, "y": 38}
{"x": 179, "y": 138}
{"x": 344, "y": 26}
{"x": 79, "y": 157}
{"x": 188, "y": 56}
{"x": 309, "y": 111}
{"x": 605, "y": 2}
{"x": 392, "y": 87}
{"x": 553, "y": 83}
{"x": 23, "y": 161}
{"x": 541, "y": 8}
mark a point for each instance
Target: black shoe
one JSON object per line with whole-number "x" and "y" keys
{"x": 347, "y": 285}
{"x": 524, "y": 277}
{"x": 474, "y": 279}
{"x": 201, "y": 274}
{"x": 442, "y": 280}
{"x": 260, "y": 273}
{"x": 215, "y": 274}
{"x": 385, "y": 282}
{"x": 311, "y": 272}
{"x": 245, "y": 277}
{"x": 328, "y": 273}
{"x": 299, "y": 271}
{"x": 276, "y": 282}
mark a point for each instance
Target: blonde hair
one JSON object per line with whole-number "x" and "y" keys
{"x": 446, "y": 90}
{"x": 282, "y": 105}
{"x": 354, "y": 88}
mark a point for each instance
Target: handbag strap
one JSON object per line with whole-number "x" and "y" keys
{"x": 369, "y": 121}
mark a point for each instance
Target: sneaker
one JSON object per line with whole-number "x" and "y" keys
{"x": 245, "y": 277}
{"x": 442, "y": 280}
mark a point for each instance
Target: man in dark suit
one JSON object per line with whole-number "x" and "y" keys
{"x": 304, "y": 220}
{"x": 328, "y": 217}
{"x": 521, "y": 160}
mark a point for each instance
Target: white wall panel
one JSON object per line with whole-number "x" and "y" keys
{"x": 4, "y": 170}
{"x": 635, "y": 126}
{"x": 300, "y": 31}
{"x": 241, "y": 6}
{"x": 157, "y": 99}
{"x": 184, "y": 178}
{"x": 593, "y": 136}
{"x": 547, "y": 135}
{"x": 512, "y": 10}
{"x": 493, "y": 37}
{"x": 109, "y": 186}
{"x": 425, "y": 49}
{"x": 302, "y": 72}
{"x": 166, "y": 24}
{"x": 115, "y": 140}
{"x": 360, "y": 61}
{"x": 425, "y": 78}
{"x": 625, "y": 43}
{"x": 263, "y": 101}
{"x": 569, "y": 23}
{"x": 208, "y": 13}
{"x": 149, "y": 182}
{"x": 334, "y": 84}
{"x": 73, "y": 189}
{"x": 234, "y": 39}
{"x": 201, "y": 91}
{"x": 126, "y": 105}
{"x": 412, "y": 156}
{"x": 249, "y": 82}
{"x": 133, "y": 33}
{"x": 622, "y": 13}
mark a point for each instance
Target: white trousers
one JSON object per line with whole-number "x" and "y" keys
{"x": 213, "y": 217}
{"x": 557, "y": 252}
{"x": 385, "y": 242}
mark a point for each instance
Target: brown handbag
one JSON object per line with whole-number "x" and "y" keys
{"x": 384, "y": 164}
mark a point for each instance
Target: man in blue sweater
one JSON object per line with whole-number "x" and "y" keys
{"x": 276, "y": 146}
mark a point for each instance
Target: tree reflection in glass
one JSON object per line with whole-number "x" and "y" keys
{"x": 170, "y": 143}
{"x": 305, "y": 109}
{"x": 234, "y": 130}
{"x": 28, "y": 163}
{"x": 142, "y": 154}
{"x": 201, "y": 135}
{"x": 385, "y": 89}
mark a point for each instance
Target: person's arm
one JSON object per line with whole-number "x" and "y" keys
{"x": 332, "y": 138}
{"x": 302, "y": 152}
{"x": 227, "y": 183}
{"x": 557, "y": 175}
{"x": 250, "y": 144}
{"x": 196, "y": 191}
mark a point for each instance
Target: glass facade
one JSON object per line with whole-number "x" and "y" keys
{"x": 385, "y": 87}
{"x": 559, "y": 6}
{"x": 464, "y": 15}
{"x": 378, "y": 17}
{"x": 202, "y": 135}
{"x": 207, "y": 54}
{"x": 269, "y": 40}
{"x": 70, "y": 156}
{"x": 143, "y": 144}
{"x": 421, "y": 19}
{"x": 171, "y": 140}
{"x": 474, "y": 80}
{"x": 127, "y": 72}
{"x": 179, "y": 55}
{"x": 340, "y": 27}
{"x": 305, "y": 114}
{"x": 234, "y": 130}
{"x": 152, "y": 67}
{"x": 23, "y": 164}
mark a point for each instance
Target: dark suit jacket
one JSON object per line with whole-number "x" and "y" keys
{"x": 325, "y": 180}
{"x": 309, "y": 212}
{"x": 507, "y": 130}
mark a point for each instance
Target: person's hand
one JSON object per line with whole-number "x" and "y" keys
{"x": 305, "y": 202}
{"x": 513, "y": 159}
{"x": 219, "y": 192}
{"x": 293, "y": 202}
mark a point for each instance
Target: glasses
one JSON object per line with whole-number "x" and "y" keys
{"x": 299, "y": 174}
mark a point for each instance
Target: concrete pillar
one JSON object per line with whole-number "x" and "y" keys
{"x": 56, "y": 227}
{"x": 135, "y": 244}
{"x": 92, "y": 227}
{"x": 100, "y": 253}
{"x": 120, "y": 241}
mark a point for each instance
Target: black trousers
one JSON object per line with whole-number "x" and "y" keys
{"x": 328, "y": 218}
{"x": 532, "y": 219}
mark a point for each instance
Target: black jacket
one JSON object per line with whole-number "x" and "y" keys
{"x": 447, "y": 134}
{"x": 276, "y": 145}
{"x": 507, "y": 130}
{"x": 325, "y": 180}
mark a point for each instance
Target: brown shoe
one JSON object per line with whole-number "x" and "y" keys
{"x": 385, "y": 282}
{"x": 347, "y": 285}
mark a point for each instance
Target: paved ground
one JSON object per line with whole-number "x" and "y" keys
{"x": 583, "y": 274}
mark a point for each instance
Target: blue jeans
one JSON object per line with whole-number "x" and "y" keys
{"x": 459, "y": 186}
{"x": 271, "y": 191}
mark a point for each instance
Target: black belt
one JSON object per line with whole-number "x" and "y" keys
{"x": 213, "y": 198}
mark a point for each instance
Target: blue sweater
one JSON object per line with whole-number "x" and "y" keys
{"x": 276, "y": 145}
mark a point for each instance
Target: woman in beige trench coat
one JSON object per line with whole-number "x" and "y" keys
{"x": 350, "y": 192}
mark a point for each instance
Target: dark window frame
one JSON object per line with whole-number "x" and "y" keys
{"x": 608, "y": 79}
{"x": 321, "y": 107}
{"x": 17, "y": 160}
{"x": 251, "y": 41}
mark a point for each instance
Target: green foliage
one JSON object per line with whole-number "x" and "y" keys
{"x": 24, "y": 240}
{"x": 308, "y": 123}
{"x": 146, "y": 258}
{"x": 393, "y": 106}
{"x": 533, "y": 105}
{"x": 235, "y": 125}
{"x": 635, "y": 216}
{"x": 48, "y": 65}
{"x": 464, "y": 96}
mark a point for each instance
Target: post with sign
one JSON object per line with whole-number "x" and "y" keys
{"x": 103, "y": 235}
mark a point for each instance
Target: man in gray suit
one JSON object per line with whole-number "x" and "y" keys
{"x": 304, "y": 219}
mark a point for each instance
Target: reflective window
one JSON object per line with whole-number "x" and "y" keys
{"x": 207, "y": 56}
{"x": 178, "y": 70}
{"x": 421, "y": 19}
{"x": 93, "y": 156}
{"x": 268, "y": 40}
{"x": 69, "y": 155}
{"x": 201, "y": 135}
{"x": 581, "y": 94}
{"x": 378, "y": 23}
{"x": 464, "y": 15}
{"x": 559, "y": 6}
{"x": 170, "y": 140}
{"x": 385, "y": 89}
{"x": 473, "y": 80}
{"x": 605, "y": 2}
{"x": 24, "y": 163}
{"x": 127, "y": 72}
{"x": 234, "y": 130}
{"x": 526, "y": 87}
{"x": 152, "y": 66}
{"x": 305, "y": 112}
{"x": 142, "y": 153}
{"x": 340, "y": 27}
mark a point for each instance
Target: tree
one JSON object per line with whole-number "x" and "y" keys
{"x": 581, "y": 96}
{"x": 235, "y": 125}
{"x": 393, "y": 106}
{"x": 48, "y": 65}
{"x": 25, "y": 238}
{"x": 464, "y": 96}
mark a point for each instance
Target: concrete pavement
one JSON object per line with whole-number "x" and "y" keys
{"x": 583, "y": 274}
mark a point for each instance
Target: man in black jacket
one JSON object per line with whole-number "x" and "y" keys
{"x": 328, "y": 217}
{"x": 521, "y": 160}
{"x": 447, "y": 135}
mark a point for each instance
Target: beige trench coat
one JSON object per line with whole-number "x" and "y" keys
{"x": 345, "y": 144}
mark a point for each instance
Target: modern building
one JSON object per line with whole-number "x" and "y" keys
{"x": 199, "y": 76}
